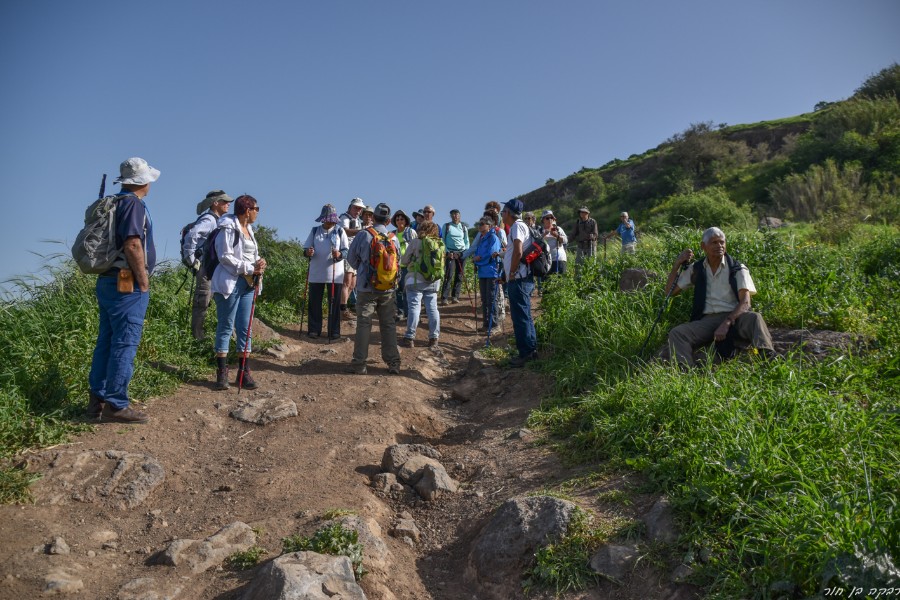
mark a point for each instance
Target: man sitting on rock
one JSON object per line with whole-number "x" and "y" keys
{"x": 721, "y": 309}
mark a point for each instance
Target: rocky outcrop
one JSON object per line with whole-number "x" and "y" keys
{"x": 197, "y": 556}
{"x": 305, "y": 576}
{"x": 264, "y": 410}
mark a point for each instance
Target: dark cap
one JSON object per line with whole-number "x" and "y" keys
{"x": 514, "y": 206}
{"x": 382, "y": 212}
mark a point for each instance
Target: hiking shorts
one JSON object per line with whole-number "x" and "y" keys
{"x": 348, "y": 268}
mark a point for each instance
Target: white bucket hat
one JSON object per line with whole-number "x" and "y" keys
{"x": 358, "y": 202}
{"x": 548, "y": 213}
{"x": 136, "y": 171}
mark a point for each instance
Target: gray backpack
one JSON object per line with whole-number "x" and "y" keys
{"x": 95, "y": 248}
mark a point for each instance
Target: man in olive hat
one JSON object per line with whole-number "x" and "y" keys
{"x": 585, "y": 235}
{"x": 210, "y": 209}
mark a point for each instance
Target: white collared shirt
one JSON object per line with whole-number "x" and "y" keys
{"x": 719, "y": 296}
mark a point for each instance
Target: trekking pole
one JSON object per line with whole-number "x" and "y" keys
{"x": 661, "y": 309}
{"x": 102, "y": 186}
{"x": 305, "y": 292}
{"x": 256, "y": 280}
{"x": 331, "y": 297}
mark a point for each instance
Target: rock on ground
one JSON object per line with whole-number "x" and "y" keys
{"x": 508, "y": 542}
{"x": 435, "y": 482}
{"x": 63, "y": 580}
{"x": 394, "y": 456}
{"x": 376, "y": 555}
{"x": 614, "y": 562}
{"x": 661, "y": 523}
{"x": 305, "y": 576}
{"x": 635, "y": 279}
{"x": 150, "y": 588}
{"x": 113, "y": 478}
{"x": 413, "y": 469}
{"x": 265, "y": 410}
{"x": 198, "y": 556}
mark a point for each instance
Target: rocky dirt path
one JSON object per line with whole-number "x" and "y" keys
{"x": 120, "y": 494}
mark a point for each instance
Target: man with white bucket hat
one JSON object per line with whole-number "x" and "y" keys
{"x": 123, "y": 293}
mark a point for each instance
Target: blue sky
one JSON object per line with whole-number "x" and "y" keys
{"x": 449, "y": 103}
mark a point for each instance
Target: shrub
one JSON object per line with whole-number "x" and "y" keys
{"x": 282, "y": 297}
{"x": 333, "y": 539}
{"x": 706, "y": 208}
{"x": 886, "y": 82}
{"x": 823, "y": 190}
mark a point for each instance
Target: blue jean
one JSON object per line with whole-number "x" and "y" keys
{"x": 520, "y": 312}
{"x": 231, "y": 311}
{"x": 415, "y": 293}
{"x": 121, "y": 326}
{"x": 401, "y": 293}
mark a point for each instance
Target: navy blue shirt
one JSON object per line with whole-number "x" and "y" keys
{"x": 131, "y": 214}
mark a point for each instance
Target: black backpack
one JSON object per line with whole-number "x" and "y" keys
{"x": 537, "y": 254}
{"x": 198, "y": 252}
{"x": 210, "y": 256}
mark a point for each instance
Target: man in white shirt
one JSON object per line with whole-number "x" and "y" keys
{"x": 520, "y": 283}
{"x": 721, "y": 310}
{"x": 351, "y": 223}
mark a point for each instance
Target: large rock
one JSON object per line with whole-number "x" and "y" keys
{"x": 770, "y": 223}
{"x": 435, "y": 482}
{"x": 635, "y": 279}
{"x": 614, "y": 562}
{"x": 113, "y": 478}
{"x": 468, "y": 389}
{"x": 305, "y": 576}
{"x": 376, "y": 555}
{"x": 262, "y": 332}
{"x": 265, "y": 410}
{"x": 394, "y": 456}
{"x": 661, "y": 523}
{"x": 413, "y": 469}
{"x": 199, "y": 555}
{"x": 150, "y": 588}
{"x": 64, "y": 580}
{"x": 508, "y": 542}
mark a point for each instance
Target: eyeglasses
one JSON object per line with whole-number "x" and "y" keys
{"x": 256, "y": 208}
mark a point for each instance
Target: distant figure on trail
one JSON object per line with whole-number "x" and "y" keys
{"x": 351, "y": 223}
{"x": 370, "y": 300}
{"x": 625, "y": 230}
{"x": 405, "y": 234}
{"x": 721, "y": 310}
{"x": 520, "y": 283}
{"x": 556, "y": 240}
{"x": 233, "y": 285}
{"x": 327, "y": 247}
{"x": 455, "y": 235}
{"x": 585, "y": 235}
{"x": 210, "y": 209}
{"x": 123, "y": 293}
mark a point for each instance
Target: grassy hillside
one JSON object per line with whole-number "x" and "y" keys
{"x": 839, "y": 163}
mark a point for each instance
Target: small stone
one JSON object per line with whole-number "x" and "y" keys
{"x": 110, "y": 546}
{"x": 58, "y": 546}
{"x": 91, "y": 554}
{"x": 681, "y": 573}
{"x": 181, "y": 419}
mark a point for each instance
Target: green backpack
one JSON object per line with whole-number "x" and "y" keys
{"x": 430, "y": 264}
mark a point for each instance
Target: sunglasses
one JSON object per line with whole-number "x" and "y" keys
{"x": 256, "y": 208}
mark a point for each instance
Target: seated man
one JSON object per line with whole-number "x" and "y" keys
{"x": 721, "y": 303}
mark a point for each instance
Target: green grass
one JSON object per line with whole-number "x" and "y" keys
{"x": 247, "y": 559}
{"x": 333, "y": 539}
{"x": 787, "y": 470}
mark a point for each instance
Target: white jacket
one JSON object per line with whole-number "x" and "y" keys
{"x": 230, "y": 249}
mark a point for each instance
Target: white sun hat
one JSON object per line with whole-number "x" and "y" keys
{"x": 136, "y": 171}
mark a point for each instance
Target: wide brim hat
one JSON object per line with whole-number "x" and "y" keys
{"x": 369, "y": 209}
{"x": 548, "y": 213}
{"x": 400, "y": 213}
{"x": 136, "y": 171}
{"x": 328, "y": 215}
{"x": 584, "y": 209}
{"x": 417, "y": 213}
{"x": 358, "y": 202}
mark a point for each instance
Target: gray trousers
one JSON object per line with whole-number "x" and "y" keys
{"x": 585, "y": 250}
{"x": 384, "y": 305}
{"x": 693, "y": 334}
{"x": 202, "y": 296}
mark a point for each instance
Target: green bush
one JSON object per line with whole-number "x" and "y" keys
{"x": 884, "y": 83}
{"x": 281, "y": 300}
{"x": 711, "y": 207}
{"x": 333, "y": 539}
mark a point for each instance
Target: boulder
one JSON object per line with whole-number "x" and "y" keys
{"x": 413, "y": 469}
{"x": 199, "y": 555}
{"x": 115, "y": 479}
{"x": 376, "y": 555}
{"x": 305, "y": 576}
{"x": 467, "y": 389}
{"x": 614, "y": 562}
{"x": 394, "y": 456}
{"x": 64, "y": 580}
{"x": 406, "y": 528}
{"x": 58, "y": 546}
{"x": 435, "y": 482}
{"x": 383, "y": 482}
{"x": 770, "y": 223}
{"x": 635, "y": 279}
{"x": 508, "y": 542}
{"x": 265, "y": 410}
{"x": 262, "y": 332}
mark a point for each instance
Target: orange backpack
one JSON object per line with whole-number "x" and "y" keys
{"x": 383, "y": 260}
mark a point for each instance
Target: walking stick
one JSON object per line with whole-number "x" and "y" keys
{"x": 661, "y": 309}
{"x": 256, "y": 279}
{"x": 305, "y": 292}
{"x": 331, "y": 298}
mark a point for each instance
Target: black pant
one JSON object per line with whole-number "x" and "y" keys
{"x": 316, "y": 292}
{"x": 453, "y": 269}
{"x": 490, "y": 301}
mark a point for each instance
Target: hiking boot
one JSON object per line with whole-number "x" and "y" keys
{"x": 394, "y": 370}
{"x": 442, "y": 302}
{"x": 334, "y": 338}
{"x": 94, "y": 407}
{"x": 313, "y": 335}
{"x": 358, "y": 370}
{"x": 346, "y": 316}
{"x": 454, "y": 300}
{"x": 432, "y": 343}
{"x": 125, "y": 415}
{"x": 222, "y": 379}
{"x": 247, "y": 383}
{"x": 407, "y": 342}
{"x": 519, "y": 361}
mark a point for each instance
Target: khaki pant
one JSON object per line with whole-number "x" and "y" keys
{"x": 687, "y": 336}
{"x": 585, "y": 250}
{"x": 367, "y": 305}
{"x": 202, "y": 296}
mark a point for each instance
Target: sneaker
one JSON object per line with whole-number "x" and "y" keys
{"x": 442, "y": 302}
{"x": 432, "y": 343}
{"x": 94, "y": 407}
{"x": 313, "y": 335}
{"x": 394, "y": 370}
{"x": 407, "y": 342}
{"x": 358, "y": 370}
{"x": 125, "y": 415}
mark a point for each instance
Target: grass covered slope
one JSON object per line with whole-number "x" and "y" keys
{"x": 785, "y": 473}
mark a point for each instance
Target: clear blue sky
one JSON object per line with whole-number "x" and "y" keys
{"x": 450, "y": 103}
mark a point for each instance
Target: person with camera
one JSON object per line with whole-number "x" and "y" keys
{"x": 721, "y": 310}
{"x": 556, "y": 240}
{"x": 625, "y": 230}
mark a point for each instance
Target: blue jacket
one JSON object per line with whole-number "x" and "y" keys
{"x": 488, "y": 267}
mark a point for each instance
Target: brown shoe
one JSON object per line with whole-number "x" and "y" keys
{"x": 94, "y": 407}
{"x": 432, "y": 343}
{"x": 346, "y": 316}
{"x": 407, "y": 342}
{"x": 125, "y": 415}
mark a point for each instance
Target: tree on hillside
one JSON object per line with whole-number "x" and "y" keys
{"x": 886, "y": 82}
{"x": 702, "y": 153}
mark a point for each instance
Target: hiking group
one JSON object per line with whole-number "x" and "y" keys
{"x": 357, "y": 264}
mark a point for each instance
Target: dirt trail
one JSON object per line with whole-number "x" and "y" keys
{"x": 281, "y": 478}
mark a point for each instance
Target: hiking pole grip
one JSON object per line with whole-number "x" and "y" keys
{"x": 102, "y": 186}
